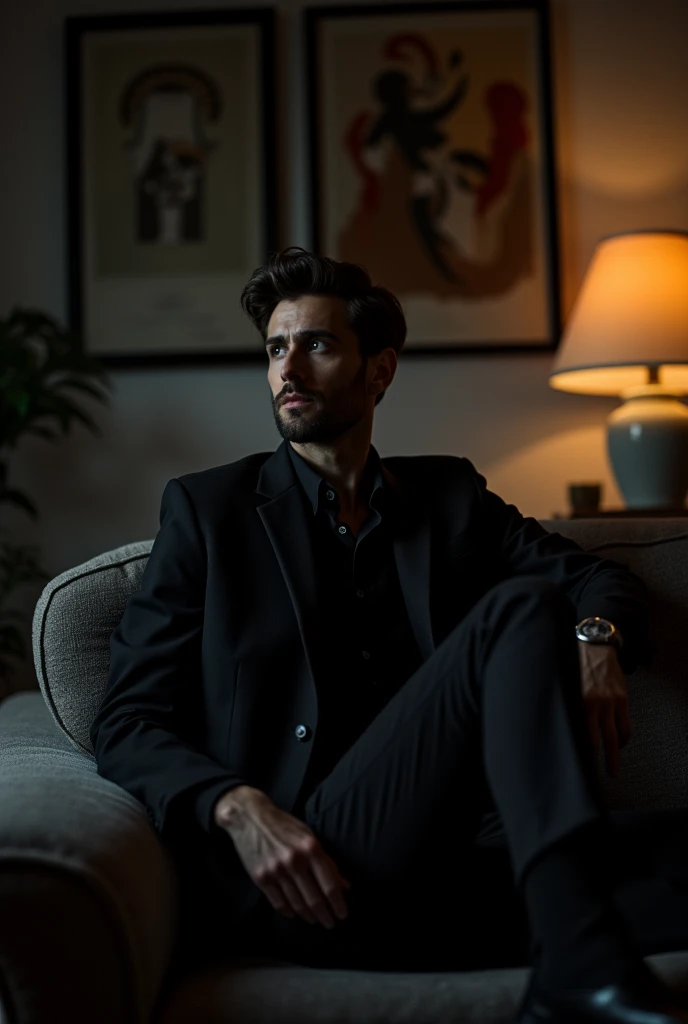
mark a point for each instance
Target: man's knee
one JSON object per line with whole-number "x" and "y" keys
{"x": 534, "y": 595}
{"x": 523, "y": 603}
{"x": 537, "y": 588}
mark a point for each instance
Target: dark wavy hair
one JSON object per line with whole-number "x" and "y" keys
{"x": 373, "y": 313}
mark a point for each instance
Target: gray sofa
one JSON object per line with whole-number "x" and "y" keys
{"x": 88, "y": 893}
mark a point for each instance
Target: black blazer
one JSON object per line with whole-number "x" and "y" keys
{"x": 210, "y": 676}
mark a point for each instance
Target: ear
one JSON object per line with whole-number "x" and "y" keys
{"x": 385, "y": 368}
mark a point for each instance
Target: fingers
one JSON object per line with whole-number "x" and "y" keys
{"x": 330, "y": 882}
{"x": 592, "y": 717}
{"x": 614, "y": 723}
{"x": 304, "y": 881}
{"x": 301, "y": 899}
{"x": 314, "y": 899}
{"x": 320, "y": 884}
{"x": 286, "y": 897}
{"x": 277, "y": 898}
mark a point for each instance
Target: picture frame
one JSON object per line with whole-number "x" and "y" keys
{"x": 171, "y": 185}
{"x": 432, "y": 164}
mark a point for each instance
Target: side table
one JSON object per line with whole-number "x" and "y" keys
{"x": 624, "y": 513}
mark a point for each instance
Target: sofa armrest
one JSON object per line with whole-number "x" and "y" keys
{"x": 88, "y": 893}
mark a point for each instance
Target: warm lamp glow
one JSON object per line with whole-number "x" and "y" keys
{"x": 631, "y": 315}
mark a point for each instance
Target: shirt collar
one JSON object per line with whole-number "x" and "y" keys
{"x": 316, "y": 486}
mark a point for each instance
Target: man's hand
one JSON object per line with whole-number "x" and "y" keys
{"x": 282, "y": 856}
{"x": 606, "y": 700}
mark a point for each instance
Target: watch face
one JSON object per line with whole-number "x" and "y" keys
{"x": 597, "y": 630}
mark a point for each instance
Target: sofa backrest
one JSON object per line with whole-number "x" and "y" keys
{"x": 72, "y": 623}
{"x": 78, "y": 610}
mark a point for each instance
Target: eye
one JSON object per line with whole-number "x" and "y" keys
{"x": 313, "y": 341}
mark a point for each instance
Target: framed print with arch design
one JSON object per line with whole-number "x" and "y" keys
{"x": 171, "y": 181}
{"x": 432, "y": 165}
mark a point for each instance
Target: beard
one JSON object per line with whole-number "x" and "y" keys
{"x": 309, "y": 425}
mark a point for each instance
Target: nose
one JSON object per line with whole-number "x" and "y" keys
{"x": 291, "y": 366}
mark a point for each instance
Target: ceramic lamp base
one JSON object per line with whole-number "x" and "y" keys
{"x": 647, "y": 443}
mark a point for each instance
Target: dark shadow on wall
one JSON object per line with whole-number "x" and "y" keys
{"x": 110, "y": 486}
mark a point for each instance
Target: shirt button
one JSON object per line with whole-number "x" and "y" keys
{"x": 342, "y": 529}
{"x": 330, "y": 495}
{"x": 359, "y": 593}
{"x": 366, "y": 654}
{"x": 302, "y": 733}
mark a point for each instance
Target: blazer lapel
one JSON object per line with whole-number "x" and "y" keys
{"x": 412, "y": 555}
{"x": 285, "y": 518}
{"x": 286, "y": 523}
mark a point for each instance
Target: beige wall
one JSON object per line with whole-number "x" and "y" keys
{"x": 621, "y": 111}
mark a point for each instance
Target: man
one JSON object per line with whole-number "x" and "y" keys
{"x": 340, "y": 669}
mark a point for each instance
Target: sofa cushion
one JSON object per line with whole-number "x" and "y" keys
{"x": 275, "y": 993}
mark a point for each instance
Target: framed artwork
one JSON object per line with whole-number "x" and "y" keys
{"x": 171, "y": 183}
{"x": 432, "y": 165}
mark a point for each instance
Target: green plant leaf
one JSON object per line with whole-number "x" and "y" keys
{"x": 61, "y": 408}
{"x": 82, "y": 385}
{"x": 45, "y": 432}
{"x": 20, "y": 500}
{"x": 41, "y": 362}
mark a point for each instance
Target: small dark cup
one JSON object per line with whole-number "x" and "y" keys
{"x": 585, "y": 498}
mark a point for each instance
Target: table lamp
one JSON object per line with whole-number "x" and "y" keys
{"x": 628, "y": 336}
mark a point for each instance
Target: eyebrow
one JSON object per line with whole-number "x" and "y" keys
{"x": 303, "y": 335}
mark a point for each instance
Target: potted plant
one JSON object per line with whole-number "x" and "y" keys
{"x": 42, "y": 365}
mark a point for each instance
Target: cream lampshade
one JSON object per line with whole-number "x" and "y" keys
{"x": 628, "y": 336}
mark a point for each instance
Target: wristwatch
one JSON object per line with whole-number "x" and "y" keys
{"x": 595, "y": 630}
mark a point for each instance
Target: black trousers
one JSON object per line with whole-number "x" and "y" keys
{"x": 479, "y": 763}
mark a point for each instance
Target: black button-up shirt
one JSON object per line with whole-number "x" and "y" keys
{"x": 367, "y": 648}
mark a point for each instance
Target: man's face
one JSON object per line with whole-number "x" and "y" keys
{"x": 313, "y": 352}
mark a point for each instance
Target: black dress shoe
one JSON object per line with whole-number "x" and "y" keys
{"x": 643, "y": 999}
